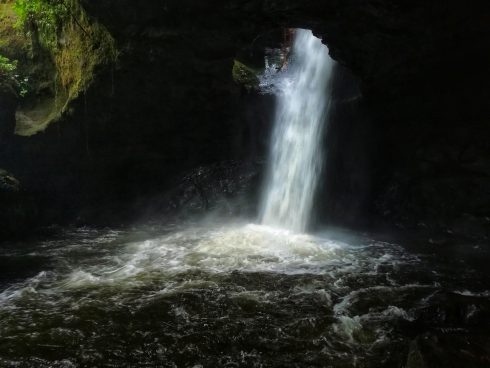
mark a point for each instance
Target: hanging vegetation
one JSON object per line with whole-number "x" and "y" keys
{"x": 42, "y": 16}
{"x": 66, "y": 48}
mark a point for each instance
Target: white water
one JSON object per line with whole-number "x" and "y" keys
{"x": 236, "y": 290}
{"x": 296, "y": 154}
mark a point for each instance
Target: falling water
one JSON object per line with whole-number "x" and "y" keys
{"x": 296, "y": 154}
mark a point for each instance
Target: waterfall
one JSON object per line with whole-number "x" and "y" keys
{"x": 296, "y": 156}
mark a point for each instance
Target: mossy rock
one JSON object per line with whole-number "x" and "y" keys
{"x": 56, "y": 72}
{"x": 13, "y": 43}
{"x": 8, "y": 183}
{"x": 245, "y": 76}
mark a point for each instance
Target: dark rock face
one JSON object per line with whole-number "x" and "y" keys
{"x": 350, "y": 142}
{"x": 17, "y": 213}
{"x": 411, "y": 148}
{"x": 225, "y": 188}
{"x": 8, "y": 106}
{"x": 439, "y": 172}
{"x": 462, "y": 342}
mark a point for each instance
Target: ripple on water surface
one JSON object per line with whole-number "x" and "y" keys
{"x": 225, "y": 296}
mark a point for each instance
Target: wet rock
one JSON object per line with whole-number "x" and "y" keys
{"x": 456, "y": 311}
{"x": 8, "y": 183}
{"x": 455, "y": 326}
{"x": 450, "y": 350}
{"x": 245, "y": 76}
{"x": 17, "y": 212}
{"x": 228, "y": 188}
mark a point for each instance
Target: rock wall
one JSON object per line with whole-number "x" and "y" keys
{"x": 411, "y": 150}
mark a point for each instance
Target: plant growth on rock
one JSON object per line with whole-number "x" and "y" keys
{"x": 42, "y": 16}
{"x": 10, "y": 78}
{"x": 58, "y": 48}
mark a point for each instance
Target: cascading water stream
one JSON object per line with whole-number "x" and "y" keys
{"x": 296, "y": 153}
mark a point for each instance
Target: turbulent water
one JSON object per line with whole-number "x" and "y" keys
{"x": 227, "y": 296}
{"x": 296, "y": 157}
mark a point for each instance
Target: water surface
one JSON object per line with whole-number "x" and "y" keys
{"x": 238, "y": 295}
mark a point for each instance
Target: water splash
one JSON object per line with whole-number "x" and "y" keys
{"x": 296, "y": 154}
{"x": 195, "y": 293}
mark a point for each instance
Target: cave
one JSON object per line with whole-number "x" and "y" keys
{"x": 244, "y": 183}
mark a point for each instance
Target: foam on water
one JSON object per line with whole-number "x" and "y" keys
{"x": 250, "y": 248}
{"x": 186, "y": 289}
{"x": 220, "y": 250}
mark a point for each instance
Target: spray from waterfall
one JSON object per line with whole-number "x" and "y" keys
{"x": 296, "y": 156}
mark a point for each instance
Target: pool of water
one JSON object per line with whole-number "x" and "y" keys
{"x": 237, "y": 295}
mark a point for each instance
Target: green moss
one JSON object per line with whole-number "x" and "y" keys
{"x": 245, "y": 76}
{"x": 84, "y": 45}
{"x": 59, "y": 48}
{"x": 10, "y": 37}
{"x": 44, "y": 17}
{"x": 13, "y": 47}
